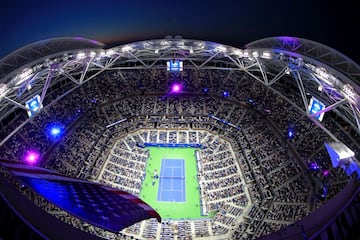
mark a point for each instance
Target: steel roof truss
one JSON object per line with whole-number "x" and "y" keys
{"x": 301, "y": 88}
{"x": 356, "y": 115}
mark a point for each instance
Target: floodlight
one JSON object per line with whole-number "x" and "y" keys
{"x": 266, "y": 55}
{"x": 238, "y": 53}
{"x": 220, "y": 49}
{"x": 110, "y": 52}
{"x": 80, "y": 55}
{"x": 126, "y": 48}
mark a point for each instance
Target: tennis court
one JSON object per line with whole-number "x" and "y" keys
{"x": 172, "y": 181}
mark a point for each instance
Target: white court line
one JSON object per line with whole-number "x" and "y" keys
{"x": 172, "y": 168}
{"x": 171, "y": 190}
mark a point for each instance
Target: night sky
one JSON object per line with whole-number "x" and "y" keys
{"x": 234, "y": 23}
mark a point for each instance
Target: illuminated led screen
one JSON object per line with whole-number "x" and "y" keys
{"x": 33, "y": 105}
{"x": 174, "y": 65}
{"x": 316, "y": 106}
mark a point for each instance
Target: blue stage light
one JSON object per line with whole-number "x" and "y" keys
{"x": 251, "y": 101}
{"x": 290, "y": 132}
{"x": 314, "y": 166}
{"x": 55, "y": 131}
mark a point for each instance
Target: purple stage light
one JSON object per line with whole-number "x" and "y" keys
{"x": 267, "y": 111}
{"x": 32, "y": 157}
{"x": 326, "y": 172}
{"x": 176, "y": 88}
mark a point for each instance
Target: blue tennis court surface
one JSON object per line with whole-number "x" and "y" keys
{"x": 172, "y": 181}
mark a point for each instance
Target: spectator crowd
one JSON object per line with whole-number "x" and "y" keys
{"x": 251, "y": 177}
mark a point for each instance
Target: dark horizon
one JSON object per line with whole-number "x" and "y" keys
{"x": 233, "y": 23}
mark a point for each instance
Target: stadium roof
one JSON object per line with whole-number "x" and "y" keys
{"x": 311, "y": 68}
{"x": 43, "y": 49}
{"x": 314, "y": 50}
